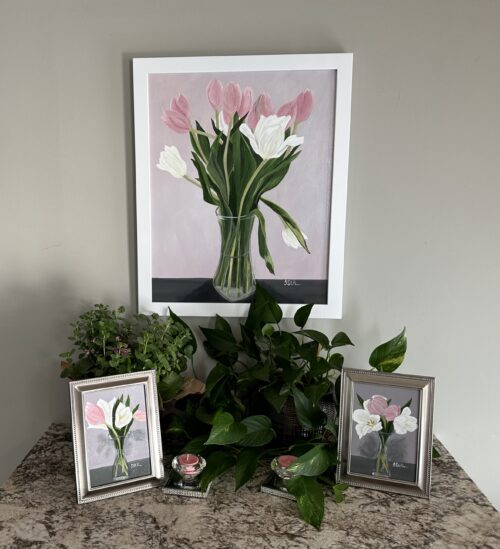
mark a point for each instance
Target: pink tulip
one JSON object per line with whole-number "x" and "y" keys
{"x": 304, "y": 105}
{"x": 214, "y": 94}
{"x": 246, "y": 102}
{"x": 288, "y": 109}
{"x": 231, "y": 99}
{"x": 181, "y": 105}
{"x": 376, "y": 405}
{"x": 392, "y": 412}
{"x": 176, "y": 121}
{"x": 262, "y": 107}
{"x": 94, "y": 414}
{"x": 140, "y": 415}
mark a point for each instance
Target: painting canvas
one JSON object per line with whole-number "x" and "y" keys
{"x": 385, "y": 431}
{"x": 116, "y": 435}
{"x": 241, "y": 179}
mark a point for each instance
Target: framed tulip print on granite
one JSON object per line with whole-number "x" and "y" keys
{"x": 241, "y": 176}
{"x": 116, "y": 435}
{"x": 385, "y": 431}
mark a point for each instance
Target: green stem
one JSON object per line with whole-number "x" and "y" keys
{"x": 249, "y": 184}
{"x": 226, "y": 149}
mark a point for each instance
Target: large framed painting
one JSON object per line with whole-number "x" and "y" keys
{"x": 241, "y": 178}
{"x": 116, "y": 435}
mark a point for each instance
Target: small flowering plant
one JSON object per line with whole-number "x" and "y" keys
{"x": 116, "y": 417}
{"x": 379, "y": 415}
{"x": 247, "y": 152}
{"x": 106, "y": 342}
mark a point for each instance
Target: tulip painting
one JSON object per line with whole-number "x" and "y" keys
{"x": 116, "y": 417}
{"x": 380, "y": 415}
{"x": 248, "y": 151}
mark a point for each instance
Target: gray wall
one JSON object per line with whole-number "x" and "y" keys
{"x": 424, "y": 197}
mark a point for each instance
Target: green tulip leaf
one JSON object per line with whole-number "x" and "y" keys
{"x": 263, "y": 248}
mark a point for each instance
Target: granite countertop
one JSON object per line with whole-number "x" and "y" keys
{"x": 38, "y": 509}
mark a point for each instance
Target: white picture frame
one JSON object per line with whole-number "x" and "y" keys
{"x": 143, "y": 69}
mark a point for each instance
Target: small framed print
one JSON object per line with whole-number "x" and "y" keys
{"x": 116, "y": 435}
{"x": 385, "y": 431}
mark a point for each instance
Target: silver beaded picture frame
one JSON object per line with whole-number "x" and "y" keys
{"x": 385, "y": 431}
{"x": 116, "y": 435}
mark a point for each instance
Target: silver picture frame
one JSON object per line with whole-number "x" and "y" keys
{"x": 78, "y": 390}
{"x": 420, "y": 483}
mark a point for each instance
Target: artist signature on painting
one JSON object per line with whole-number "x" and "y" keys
{"x": 398, "y": 465}
{"x": 289, "y": 282}
{"x": 135, "y": 465}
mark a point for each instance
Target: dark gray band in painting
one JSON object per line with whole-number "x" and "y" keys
{"x": 103, "y": 476}
{"x": 201, "y": 290}
{"x": 398, "y": 470}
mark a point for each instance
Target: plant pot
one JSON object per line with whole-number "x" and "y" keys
{"x": 287, "y": 426}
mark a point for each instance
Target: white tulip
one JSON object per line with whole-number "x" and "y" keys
{"x": 107, "y": 408}
{"x": 290, "y": 239}
{"x": 366, "y": 422}
{"x": 405, "y": 422}
{"x": 221, "y": 124}
{"x": 123, "y": 416}
{"x": 171, "y": 161}
{"x": 268, "y": 138}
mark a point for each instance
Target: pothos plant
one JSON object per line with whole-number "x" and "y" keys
{"x": 255, "y": 374}
{"x": 106, "y": 341}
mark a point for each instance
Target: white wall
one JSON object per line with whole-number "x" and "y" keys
{"x": 424, "y": 195}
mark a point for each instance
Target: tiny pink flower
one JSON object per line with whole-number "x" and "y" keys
{"x": 176, "y": 121}
{"x": 262, "y": 107}
{"x": 246, "y": 102}
{"x": 392, "y": 412}
{"x": 180, "y": 105}
{"x": 376, "y": 405}
{"x": 231, "y": 99}
{"x": 214, "y": 94}
{"x": 304, "y": 105}
{"x": 140, "y": 415}
{"x": 288, "y": 109}
{"x": 93, "y": 414}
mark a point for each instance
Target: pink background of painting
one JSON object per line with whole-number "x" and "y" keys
{"x": 185, "y": 234}
{"x": 99, "y": 446}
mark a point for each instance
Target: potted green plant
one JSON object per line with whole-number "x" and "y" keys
{"x": 106, "y": 341}
{"x": 255, "y": 376}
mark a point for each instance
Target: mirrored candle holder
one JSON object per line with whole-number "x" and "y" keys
{"x": 276, "y": 483}
{"x": 183, "y": 479}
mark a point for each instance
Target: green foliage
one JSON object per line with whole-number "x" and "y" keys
{"x": 257, "y": 371}
{"x": 388, "y": 356}
{"x": 106, "y": 342}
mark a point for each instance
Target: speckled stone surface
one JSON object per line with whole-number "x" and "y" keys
{"x": 38, "y": 510}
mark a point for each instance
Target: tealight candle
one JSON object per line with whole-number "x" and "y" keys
{"x": 188, "y": 463}
{"x": 188, "y": 467}
{"x": 280, "y": 466}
